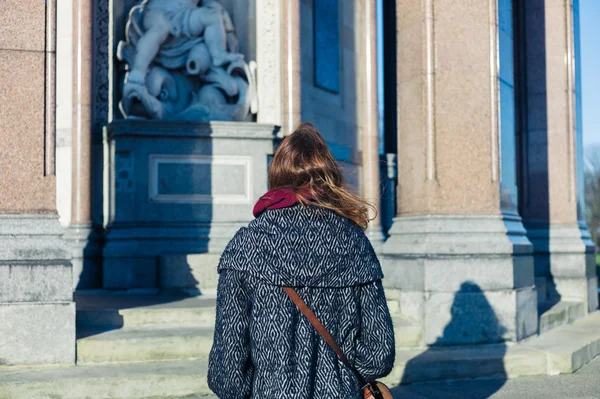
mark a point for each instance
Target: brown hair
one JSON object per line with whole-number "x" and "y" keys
{"x": 304, "y": 164}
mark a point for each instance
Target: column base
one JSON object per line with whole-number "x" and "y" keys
{"x": 468, "y": 279}
{"x": 36, "y": 296}
{"x": 86, "y": 252}
{"x": 376, "y": 237}
{"x": 564, "y": 263}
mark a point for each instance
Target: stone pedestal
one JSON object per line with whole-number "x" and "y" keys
{"x": 178, "y": 188}
{"x": 565, "y": 263}
{"x": 36, "y": 296}
{"x": 467, "y": 278}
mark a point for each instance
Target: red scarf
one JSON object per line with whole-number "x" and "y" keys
{"x": 275, "y": 199}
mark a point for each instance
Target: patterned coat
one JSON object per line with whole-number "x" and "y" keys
{"x": 263, "y": 346}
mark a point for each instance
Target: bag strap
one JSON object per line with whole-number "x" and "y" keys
{"x": 301, "y": 305}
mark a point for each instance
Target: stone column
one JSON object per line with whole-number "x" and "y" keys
{"x": 369, "y": 131}
{"x": 292, "y": 65}
{"x": 36, "y": 309}
{"x": 552, "y": 205}
{"x": 64, "y": 82}
{"x": 80, "y": 234}
{"x": 269, "y": 47}
{"x": 464, "y": 268}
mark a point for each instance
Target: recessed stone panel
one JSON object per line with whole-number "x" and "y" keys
{"x": 198, "y": 178}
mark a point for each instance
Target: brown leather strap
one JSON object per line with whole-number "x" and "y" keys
{"x": 301, "y": 305}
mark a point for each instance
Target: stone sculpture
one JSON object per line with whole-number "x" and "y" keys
{"x": 184, "y": 63}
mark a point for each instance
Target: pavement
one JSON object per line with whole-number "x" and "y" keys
{"x": 584, "y": 384}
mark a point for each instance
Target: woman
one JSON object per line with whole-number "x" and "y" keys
{"x": 308, "y": 234}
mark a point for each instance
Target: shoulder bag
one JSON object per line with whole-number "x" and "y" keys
{"x": 370, "y": 390}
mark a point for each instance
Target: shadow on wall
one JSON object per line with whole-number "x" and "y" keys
{"x": 532, "y": 143}
{"x": 90, "y": 276}
{"x": 442, "y": 360}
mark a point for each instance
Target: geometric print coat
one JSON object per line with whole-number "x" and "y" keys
{"x": 263, "y": 346}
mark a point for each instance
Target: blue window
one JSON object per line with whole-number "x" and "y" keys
{"x": 327, "y": 44}
{"x": 507, "y": 122}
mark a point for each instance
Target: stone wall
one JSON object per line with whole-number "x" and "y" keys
{"x": 336, "y": 115}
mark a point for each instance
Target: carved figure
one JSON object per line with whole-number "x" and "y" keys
{"x": 184, "y": 63}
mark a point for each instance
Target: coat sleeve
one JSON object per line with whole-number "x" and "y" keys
{"x": 230, "y": 368}
{"x": 375, "y": 346}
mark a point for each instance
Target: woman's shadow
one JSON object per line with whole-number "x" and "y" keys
{"x": 472, "y": 320}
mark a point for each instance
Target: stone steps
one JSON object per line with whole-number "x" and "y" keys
{"x": 115, "y": 381}
{"x": 115, "y": 327}
{"x": 107, "y": 310}
{"x": 160, "y": 343}
{"x": 457, "y": 363}
{"x": 121, "y": 310}
{"x": 133, "y": 328}
{"x": 144, "y": 344}
{"x": 571, "y": 346}
{"x": 561, "y": 313}
{"x": 562, "y": 350}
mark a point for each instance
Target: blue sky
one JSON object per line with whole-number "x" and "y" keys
{"x": 589, "y": 14}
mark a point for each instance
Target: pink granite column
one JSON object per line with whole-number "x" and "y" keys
{"x": 552, "y": 201}
{"x": 27, "y": 50}
{"x": 292, "y": 71}
{"x": 370, "y": 142}
{"x": 82, "y": 112}
{"x": 37, "y": 314}
{"x": 452, "y": 250}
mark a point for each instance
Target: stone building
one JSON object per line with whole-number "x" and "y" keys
{"x": 461, "y": 119}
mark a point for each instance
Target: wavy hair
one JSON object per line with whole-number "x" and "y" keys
{"x": 304, "y": 164}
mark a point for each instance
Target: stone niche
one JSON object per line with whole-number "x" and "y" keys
{"x": 181, "y": 182}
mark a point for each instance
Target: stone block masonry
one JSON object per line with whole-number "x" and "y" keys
{"x": 36, "y": 306}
